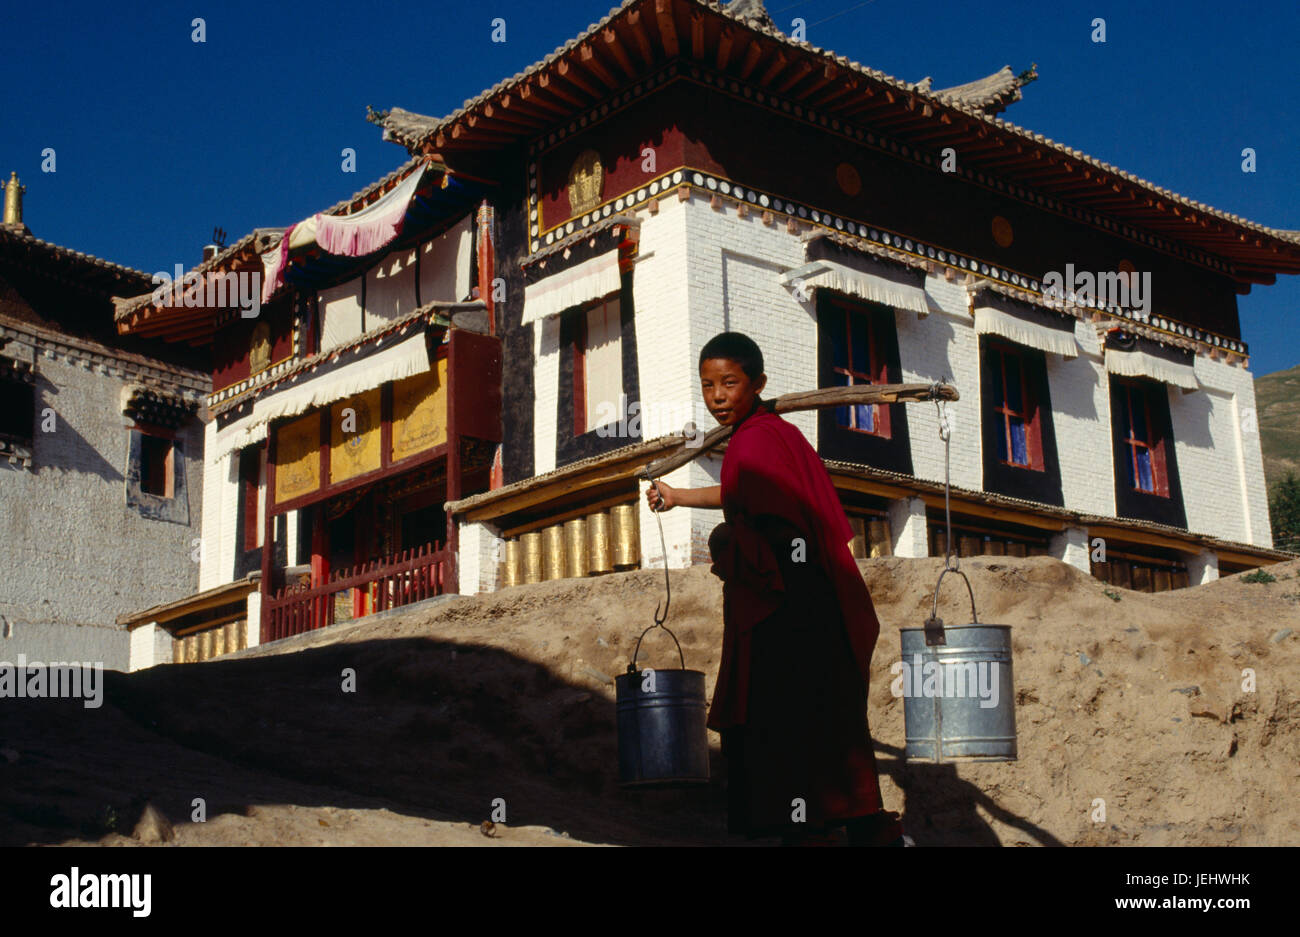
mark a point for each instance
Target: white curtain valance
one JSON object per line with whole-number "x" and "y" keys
{"x": 243, "y": 432}
{"x": 885, "y": 285}
{"x": 588, "y": 280}
{"x": 1023, "y": 330}
{"x": 405, "y": 358}
{"x": 1140, "y": 364}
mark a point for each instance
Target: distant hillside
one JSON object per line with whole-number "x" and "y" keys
{"x": 1277, "y": 400}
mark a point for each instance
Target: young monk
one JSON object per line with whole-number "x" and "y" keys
{"x": 798, "y": 623}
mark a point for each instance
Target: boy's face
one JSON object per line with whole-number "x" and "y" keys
{"x": 728, "y": 392}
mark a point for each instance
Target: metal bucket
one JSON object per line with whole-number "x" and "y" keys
{"x": 958, "y": 690}
{"x": 662, "y": 737}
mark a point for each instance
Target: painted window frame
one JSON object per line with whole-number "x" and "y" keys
{"x": 1030, "y": 413}
{"x": 877, "y": 366}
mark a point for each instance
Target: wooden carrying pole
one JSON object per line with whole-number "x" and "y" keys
{"x": 806, "y": 400}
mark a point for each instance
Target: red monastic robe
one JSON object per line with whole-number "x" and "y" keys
{"x": 799, "y": 707}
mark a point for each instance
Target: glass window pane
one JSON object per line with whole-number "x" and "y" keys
{"x": 1144, "y": 469}
{"x": 1014, "y": 401}
{"x": 1139, "y": 416}
{"x": 839, "y": 341}
{"x": 866, "y": 417}
{"x": 1002, "y": 437}
{"x": 842, "y": 416}
{"x": 861, "y": 355}
{"x": 1018, "y": 455}
{"x": 995, "y": 368}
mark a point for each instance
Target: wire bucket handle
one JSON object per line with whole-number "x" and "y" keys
{"x": 660, "y": 617}
{"x": 934, "y": 633}
{"x": 631, "y": 668}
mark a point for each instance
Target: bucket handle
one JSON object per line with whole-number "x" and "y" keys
{"x": 631, "y": 668}
{"x": 934, "y": 633}
{"x": 668, "y": 588}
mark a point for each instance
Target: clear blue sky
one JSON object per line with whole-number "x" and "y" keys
{"x": 158, "y": 139}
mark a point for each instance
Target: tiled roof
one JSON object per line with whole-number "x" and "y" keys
{"x": 992, "y": 93}
{"x": 412, "y": 130}
{"x": 67, "y": 253}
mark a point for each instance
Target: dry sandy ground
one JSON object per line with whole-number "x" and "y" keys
{"x": 1135, "y": 700}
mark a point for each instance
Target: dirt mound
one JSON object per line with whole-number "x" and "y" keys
{"x": 1125, "y": 698}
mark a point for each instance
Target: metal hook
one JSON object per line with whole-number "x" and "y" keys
{"x": 668, "y": 586}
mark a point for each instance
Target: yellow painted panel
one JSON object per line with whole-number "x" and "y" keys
{"x": 420, "y": 412}
{"x": 297, "y": 458}
{"x": 354, "y": 436}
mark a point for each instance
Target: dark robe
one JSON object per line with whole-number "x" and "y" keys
{"x": 791, "y": 695}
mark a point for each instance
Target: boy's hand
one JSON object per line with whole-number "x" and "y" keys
{"x": 661, "y": 497}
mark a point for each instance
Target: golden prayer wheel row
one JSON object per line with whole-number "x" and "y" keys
{"x": 978, "y": 546}
{"x": 599, "y": 542}
{"x": 870, "y": 537}
{"x": 204, "y": 645}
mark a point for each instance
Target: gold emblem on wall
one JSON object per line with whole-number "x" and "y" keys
{"x": 297, "y": 458}
{"x": 354, "y": 437}
{"x": 586, "y": 182}
{"x": 259, "y": 348}
{"x": 1002, "y": 233}
{"x": 420, "y": 412}
{"x": 846, "y": 176}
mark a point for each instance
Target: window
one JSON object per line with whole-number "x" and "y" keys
{"x": 17, "y": 411}
{"x": 1143, "y": 445}
{"x": 857, "y": 357}
{"x": 156, "y": 461}
{"x": 1017, "y": 429}
{"x": 598, "y": 366}
{"x": 252, "y": 472}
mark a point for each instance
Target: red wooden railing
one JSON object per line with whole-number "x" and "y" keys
{"x": 384, "y": 583}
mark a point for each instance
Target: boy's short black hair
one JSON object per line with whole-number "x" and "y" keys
{"x": 737, "y": 347}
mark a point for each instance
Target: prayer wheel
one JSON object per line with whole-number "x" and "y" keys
{"x": 513, "y": 573}
{"x": 878, "y": 537}
{"x": 218, "y": 641}
{"x": 241, "y": 635}
{"x": 958, "y": 689}
{"x": 1141, "y": 578}
{"x": 1015, "y": 549}
{"x": 995, "y": 548}
{"x": 970, "y": 546}
{"x": 940, "y": 540}
{"x": 575, "y": 547}
{"x": 178, "y": 650}
{"x": 192, "y": 649}
{"x": 624, "y": 524}
{"x": 599, "y": 555}
{"x": 205, "y": 645}
{"x": 553, "y": 552}
{"x": 532, "y": 542}
{"x": 859, "y": 542}
{"x": 1160, "y": 580}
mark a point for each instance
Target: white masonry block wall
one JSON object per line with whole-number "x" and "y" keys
{"x": 670, "y": 387}
{"x": 1071, "y": 546}
{"x": 150, "y": 646}
{"x": 1202, "y": 568}
{"x": 938, "y": 346}
{"x": 910, "y": 536}
{"x": 1080, "y": 396}
{"x": 1216, "y": 439}
{"x": 480, "y": 548}
{"x": 734, "y": 266}
{"x": 220, "y": 518}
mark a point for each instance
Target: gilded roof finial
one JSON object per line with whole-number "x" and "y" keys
{"x": 13, "y": 217}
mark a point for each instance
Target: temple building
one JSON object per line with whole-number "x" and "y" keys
{"x": 101, "y": 445}
{"x": 565, "y": 243}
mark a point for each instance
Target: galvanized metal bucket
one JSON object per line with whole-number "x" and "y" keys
{"x": 958, "y": 690}
{"x": 662, "y": 737}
